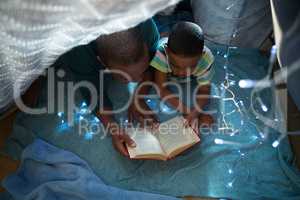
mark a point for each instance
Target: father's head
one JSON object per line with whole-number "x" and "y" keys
{"x": 125, "y": 51}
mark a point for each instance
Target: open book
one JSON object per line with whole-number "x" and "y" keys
{"x": 169, "y": 140}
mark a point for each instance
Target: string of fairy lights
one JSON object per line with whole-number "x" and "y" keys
{"x": 31, "y": 40}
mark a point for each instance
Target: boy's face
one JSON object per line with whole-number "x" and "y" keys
{"x": 134, "y": 72}
{"x": 182, "y": 66}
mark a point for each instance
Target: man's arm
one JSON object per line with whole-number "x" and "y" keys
{"x": 142, "y": 111}
{"x": 119, "y": 136}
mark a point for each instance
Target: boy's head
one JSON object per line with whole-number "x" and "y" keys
{"x": 125, "y": 51}
{"x": 185, "y": 47}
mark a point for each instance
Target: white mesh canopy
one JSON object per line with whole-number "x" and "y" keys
{"x": 33, "y": 33}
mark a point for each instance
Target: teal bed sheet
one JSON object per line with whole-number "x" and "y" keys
{"x": 246, "y": 166}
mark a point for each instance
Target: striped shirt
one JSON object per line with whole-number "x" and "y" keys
{"x": 203, "y": 71}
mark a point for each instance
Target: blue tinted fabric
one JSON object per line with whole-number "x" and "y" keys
{"x": 48, "y": 173}
{"x": 248, "y": 168}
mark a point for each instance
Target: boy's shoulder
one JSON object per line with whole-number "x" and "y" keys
{"x": 160, "y": 60}
{"x": 161, "y": 44}
{"x": 208, "y": 55}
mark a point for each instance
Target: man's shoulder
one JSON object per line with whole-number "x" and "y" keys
{"x": 150, "y": 34}
{"x": 81, "y": 59}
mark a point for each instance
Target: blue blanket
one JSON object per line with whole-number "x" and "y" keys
{"x": 48, "y": 173}
{"x": 247, "y": 166}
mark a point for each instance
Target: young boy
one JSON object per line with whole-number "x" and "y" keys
{"x": 183, "y": 56}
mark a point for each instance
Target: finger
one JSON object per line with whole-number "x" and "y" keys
{"x": 119, "y": 146}
{"x": 195, "y": 126}
{"x": 154, "y": 118}
{"x": 186, "y": 123}
{"x": 130, "y": 117}
{"x": 140, "y": 118}
{"x": 196, "y": 129}
{"x": 156, "y": 125}
{"x": 128, "y": 140}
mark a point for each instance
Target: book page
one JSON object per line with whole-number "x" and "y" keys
{"x": 173, "y": 135}
{"x": 146, "y": 144}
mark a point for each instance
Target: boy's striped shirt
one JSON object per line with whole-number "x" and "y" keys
{"x": 203, "y": 71}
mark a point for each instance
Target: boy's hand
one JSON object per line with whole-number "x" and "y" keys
{"x": 119, "y": 139}
{"x": 142, "y": 114}
{"x": 206, "y": 119}
{"x": 192, "y": 120}
{"x": 195, "y": 120}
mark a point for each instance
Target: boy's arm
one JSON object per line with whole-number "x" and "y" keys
{"x": 160, "y": 79}
{"x": 192, "y": 119}
{"x": 119, "y": 136}
{"x": 202, "y": 98}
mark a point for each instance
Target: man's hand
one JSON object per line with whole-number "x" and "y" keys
{"x": 119, "y": 139}
{"x": 142, "y": 114}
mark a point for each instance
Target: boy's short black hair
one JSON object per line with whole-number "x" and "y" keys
{"x": 186, "y": 38}
{"x": 124, "y": 47}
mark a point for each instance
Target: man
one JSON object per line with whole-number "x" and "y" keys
{"x": 128, "y": 51}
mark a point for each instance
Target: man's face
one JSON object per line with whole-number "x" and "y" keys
{"x": 132, "y": 72}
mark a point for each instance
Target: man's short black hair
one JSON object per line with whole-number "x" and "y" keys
{"x": 186, "y": 38}
{"x": 124, "y": 47}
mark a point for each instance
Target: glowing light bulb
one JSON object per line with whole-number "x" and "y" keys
{"x": 165, "y": 108}
{"x": 254, "y": 137}
{"x": 246, "y": 83}
{"x": 225, "y": 56}
{"x": 131, "y": 87}
{"x": 262, "y": 105}
{"x": 275, "y": 143}
{"x": 83, "y": 104}
{"x": 230, "y": 184}
{"x": 242, "y": 154}
{"x": 96, "y": 119}
{"x": 262, "y": 135}
{"x": 80, "y": 117}
{"x": 88, "y": 135}
{"x": 219, "y": 141}
{"x": 60, "y": 114}
{"x": 232, "y": 83}
{"x": 230, "y": 171}
{"x": 264, "y": 108}
{"x": 274, "y": 49}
